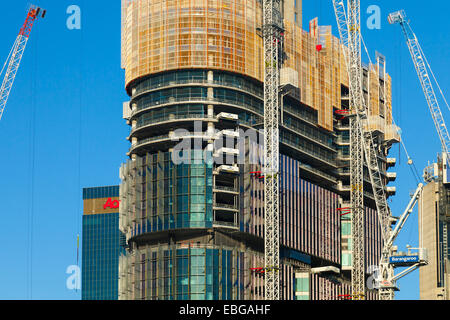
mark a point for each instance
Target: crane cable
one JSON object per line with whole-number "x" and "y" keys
{"x": 32, "y": 163}
{"x": 80, "y": 135}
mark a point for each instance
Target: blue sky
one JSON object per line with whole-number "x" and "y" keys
{"x": 63, "y": 128}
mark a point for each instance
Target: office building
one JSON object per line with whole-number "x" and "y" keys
{"x": 101, "y": 243}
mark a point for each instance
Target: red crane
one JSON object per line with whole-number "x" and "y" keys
{"x": 16, "y": 53}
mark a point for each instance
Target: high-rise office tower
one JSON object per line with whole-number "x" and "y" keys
{"x": 434, "y": 223}
{"x": 102, "y": 243}
{"x": 192, "y": 193}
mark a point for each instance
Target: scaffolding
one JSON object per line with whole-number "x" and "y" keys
{"x": 226, "y": 36}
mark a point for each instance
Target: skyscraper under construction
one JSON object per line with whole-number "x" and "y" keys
{"x": 434, "y": 221}
{"x": 192, "y": 192}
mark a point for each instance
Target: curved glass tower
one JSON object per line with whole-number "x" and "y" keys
{"x": 192, "y": 191}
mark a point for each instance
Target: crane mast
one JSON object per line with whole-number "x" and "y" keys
{"x": 352, "y": 54}
{"x": 272, "y": 37}
{"x": 16, "y": 54}
{"x": 356, "y": 149}
{"x": 361, "y": 141}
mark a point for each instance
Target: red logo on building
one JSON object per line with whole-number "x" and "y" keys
{"x": 111, "y": 204}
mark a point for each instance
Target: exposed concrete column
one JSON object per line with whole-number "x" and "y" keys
{"x": 210, "y": 76}
{"x": 210, "y": 93}
{"x": 211, "y": 129}
{"x": 210, "y": 111}
{"x": 210, "y": 90}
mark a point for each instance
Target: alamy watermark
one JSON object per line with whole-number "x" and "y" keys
{"x": 374, "y": 20}
{"x": 73, "y": 22}
{"x": 73, "y": 282}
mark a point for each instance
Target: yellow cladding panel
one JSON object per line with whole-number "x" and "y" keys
{"x": 223, "y": 35}
{"x": 100, "y": 206}
{"x": 168, "y": 35}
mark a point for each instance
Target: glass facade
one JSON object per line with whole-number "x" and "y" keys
{"x": 302, "y": 286}
{"x": 171, "y": 113}
{"x": 163, "y": 197}
{"x": 100, "y": 192}
{"x": 346, "y": 233}
{"x": 186, "y": 272}
{"x": 172, "y": 78}
{"x": 169, "y": 95}
{"x": 172, "y": 196}
{"x": 102, "y": 242}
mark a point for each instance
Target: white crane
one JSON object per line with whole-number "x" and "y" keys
{"x": 386, "y": 280}
{"x": 360, "y": 142}
{"x": 356, "y": 148}
{"x": 272, "y": 37}
{"x": 16, "y": 53}
{"x": 424, "y": 71}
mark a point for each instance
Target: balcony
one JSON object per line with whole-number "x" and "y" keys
{"x": 318, "y": 173}
{"x": 391, "y": 191}
{"x": 392, "y": 134}
{"x": 225, "y": 207}
{"x": 167, "y": 118}
{"x": 391, "y": 162}
{"x": 227, "y": 133}
{"x": 227, "y": 169}
{"x": 225, "y": 189}
{"x": 227, "y": 116}
{"x": 392, "y": 176}
{"x": 226, "y": 151}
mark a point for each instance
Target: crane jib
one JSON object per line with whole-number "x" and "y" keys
{"x": 15, "y": 57}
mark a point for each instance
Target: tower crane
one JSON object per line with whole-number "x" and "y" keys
{"x": 386, "y": 280}
{"x": 424, "y": 71}
{"x": 356, "y": 148}
{"x": 16, "y": 53}
{"x": 272, "y": 37}
{"x": 361, "y": 142}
